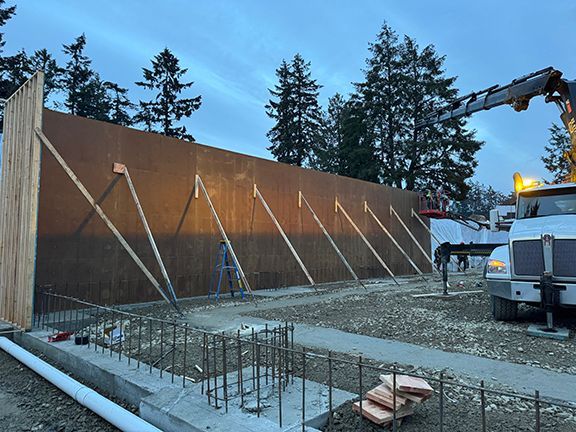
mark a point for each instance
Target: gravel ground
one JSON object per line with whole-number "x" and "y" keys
{"x": 30, "y": 403}
{"x": 462, "y": 407}
{"x": 462, "y": 324}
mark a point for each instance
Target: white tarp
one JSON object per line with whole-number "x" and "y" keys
{"x": 447, "y": 230}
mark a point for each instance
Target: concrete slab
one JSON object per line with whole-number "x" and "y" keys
{"x": 173, "y": 408}
{"x": 558, "y": 333}
{"x": 282, "y": 292}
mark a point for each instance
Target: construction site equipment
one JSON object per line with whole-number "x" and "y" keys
{"x": 542, "y": 237}
{"x": 224, "y": 267}
{"x": 462, "y": 249}
{"x": 546, "y": 82}
{"x": 60, "y": 336}
{"x": 85, "y": 396}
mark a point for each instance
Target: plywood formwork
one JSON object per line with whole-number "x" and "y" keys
{"x": 19, "y": 185}
{"x": 77, "y": 253}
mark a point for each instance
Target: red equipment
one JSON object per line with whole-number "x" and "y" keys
{"x": 59, "y": 337}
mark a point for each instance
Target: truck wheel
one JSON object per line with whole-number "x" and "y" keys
{"x": 504, "y": 309}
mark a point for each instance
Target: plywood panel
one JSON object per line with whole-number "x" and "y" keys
{"x": 75, "y": 247}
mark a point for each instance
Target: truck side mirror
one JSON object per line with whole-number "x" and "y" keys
{"x": 494, "y": 219}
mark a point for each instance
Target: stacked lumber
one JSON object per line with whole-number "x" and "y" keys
{"x": 379, "y": 405}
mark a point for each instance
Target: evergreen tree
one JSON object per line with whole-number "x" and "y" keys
{"x": 402, "y": 83}
{"x": 119, "y": 104}
{"x": 16, "y": 69}
{"x": 381, "y": 98}
{"x": 327, "y": 154}
{"x": 76, "y": 78}
{"x": 442, "y": 154}
{"x": 480, "y": 199}
{"x": 167, "y": 107}
{"x": 95, "y": 102}
{"x": 43, "y": 60}
{"x": 298, "y": 116}
{"x": 5, "y": 14}
{"x": 554, "y": 159}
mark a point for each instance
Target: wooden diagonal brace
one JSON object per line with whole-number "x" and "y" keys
{"x": 365, "y": 240}
{"x": 123, "y": 169}
{"x": 100, "y": 212}
{"x": 199, "y": 184}
{"x": 258, "y": 195}
{"x": 367, "y": 209}
{"x": 301, "y": 199}
{"x": 393, "y": 212}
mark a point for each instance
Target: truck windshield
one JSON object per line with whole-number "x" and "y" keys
{"x": 546, "y": 203}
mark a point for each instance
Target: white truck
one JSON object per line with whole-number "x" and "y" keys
{"x": 538, "y": 266}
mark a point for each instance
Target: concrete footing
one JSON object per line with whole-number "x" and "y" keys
{"x": 558, "y": 333}
{"x": 173, "y": 408}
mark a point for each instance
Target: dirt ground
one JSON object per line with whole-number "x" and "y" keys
{"x": 30, "y": 403}
{"x": 462, "y": 324}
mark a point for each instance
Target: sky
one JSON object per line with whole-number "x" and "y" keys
{"x": 232, "y": 49}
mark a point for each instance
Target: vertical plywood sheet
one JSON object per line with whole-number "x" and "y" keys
{"x": 19, "y": 201}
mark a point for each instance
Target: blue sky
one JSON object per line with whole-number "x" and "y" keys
{"x": 233, "y": 47}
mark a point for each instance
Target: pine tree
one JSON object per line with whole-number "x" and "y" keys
{"x": 119, "y": 104}
{"x": 282, "y": 111}
{"x": 16, "y": 69}
{"x": 297, "y": 113}
{"x": 5, "y": 15}
{"x": 76, "y": 78}
{"x": 480, "y": 199}
{"x": 402, "y": 83}
{"x": 554, "y": 159}
{"x": 438, "y": 155}
{"x": 381, "y": 94}
{"x": 43, "y": 60}
{"x": 327, "y": 154}
{"x": 167, "y": 107}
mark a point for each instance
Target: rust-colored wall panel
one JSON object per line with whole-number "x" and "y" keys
{"x": 76, "y": 248}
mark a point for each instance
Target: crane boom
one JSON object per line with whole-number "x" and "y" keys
{"x": 546, "y": 82}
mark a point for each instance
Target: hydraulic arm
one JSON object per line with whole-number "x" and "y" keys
{"x": 546, "y": 82}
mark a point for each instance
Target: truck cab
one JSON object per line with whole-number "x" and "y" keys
{"x": 541, "y": 252}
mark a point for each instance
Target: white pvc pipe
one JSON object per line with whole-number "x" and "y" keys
{"x": 105, "y": 408}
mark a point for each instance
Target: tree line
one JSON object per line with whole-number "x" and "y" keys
{"x": 370, "y": 134}
{"x": 75, "y": 86}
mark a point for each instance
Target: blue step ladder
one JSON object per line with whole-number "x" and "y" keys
{"x": 225, "y": 266}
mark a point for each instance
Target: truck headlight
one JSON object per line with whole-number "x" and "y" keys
{"x": 496, "y": 266}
